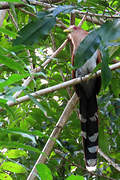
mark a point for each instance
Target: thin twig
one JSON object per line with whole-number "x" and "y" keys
{"x": 13, "y": 20}
{"x": 93, "y": 19}
{"x": 60, "y": 86}
{"x": 116, "y": 166}
{"x": 97, "y": 15}
{"x": 27, "y": 12}
{"x": 72, "y": 18}
{"x": 82, "y": 21}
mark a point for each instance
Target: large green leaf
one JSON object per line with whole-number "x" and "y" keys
{"x": 37, "y": 103}
{"x": 106, "y": 72}
{"x": 110, "y": 31}
{"x": 15, "y": 153}
{"x": 63, "y": 9}
{"x": 8, "y": 32}
{"x": 44, "y": 172}
{"x": 13, "y": 79}
{"x": 9, "y": 62}
{"x": 3, "y": 104}
{"x": 14, "y": 144}
{"x": 35, "y": 30}
{"x": 5, "y": 176}
{"x": 87, "y": 48}
{"x": 27, "y": 134}
{"x": 13, "y": 167}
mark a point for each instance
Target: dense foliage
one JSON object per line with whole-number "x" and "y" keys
{"x": 28, "y": 36}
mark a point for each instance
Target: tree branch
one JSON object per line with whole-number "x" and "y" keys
{"x": 54, "y": 135}
{"x": 82, "y": 21}
{"x": 93, "y": 19}
{"x": 60, "y": 86}
{"x": 109, "y": 160}
{"x": 97, "y": 15}
{"x": 47, "y": 5}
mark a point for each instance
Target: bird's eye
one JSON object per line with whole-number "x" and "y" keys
{"x": 75, "y": 28}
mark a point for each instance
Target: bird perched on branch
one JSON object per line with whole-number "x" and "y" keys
{"x": 87, "y": 92}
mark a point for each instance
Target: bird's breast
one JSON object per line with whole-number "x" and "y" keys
{"x": 87, "y": 68}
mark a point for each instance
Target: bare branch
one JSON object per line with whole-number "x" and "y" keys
{"x": 72, "y": 18}
{"x": 54, "y": 135}
{"x": 17, "y": 5}
{"x": 93, "y": 19}
{"x": 27, "y": 12}
{"x": 97, "y": 15}
{"x": 13, "y": 19}
{"x": 82, "y": 21}
{"x": 7, "y": 6}
{"x": 60, "y": 86}
{"x": 47, "y": 5}
{"x": 116, "y": 166}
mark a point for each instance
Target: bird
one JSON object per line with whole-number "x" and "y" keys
{"x": 86, "y": 92}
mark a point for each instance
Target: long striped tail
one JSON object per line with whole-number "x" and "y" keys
{"x": 89, "y": 127}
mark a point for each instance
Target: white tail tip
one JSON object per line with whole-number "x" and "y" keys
{"x": 91, "y": 168}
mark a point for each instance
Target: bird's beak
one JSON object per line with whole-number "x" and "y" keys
{"x": 66, "y": 30}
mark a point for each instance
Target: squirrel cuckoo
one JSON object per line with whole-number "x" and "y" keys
{"x": 87, "y": 92}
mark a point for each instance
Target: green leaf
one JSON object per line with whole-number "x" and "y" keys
{"x": 5, "y": 176}
{"x": 64, "y": 9}
{"x": 115, "y": 155}
{"x": 3, "y": 101}
{"x": 115, "y": 86}
{"x": 35, "y": 30}
{"x": 8, "y": 32}
{"x": 25, "y": 134}
{"x": 9, "y": 62}
{"x": 13, "y": 79}
{"x": 5, "y": 106}
{"x": 15, "y": 153}
{"x": 103, "y": 138}
{"x": 110, "y": 31}
{"x": 72, "y": 177}
{"x": 14, "y": 144}
{"x": 22, "y": 132}
{"x": 13, "y": 167}
{"x": 87, "y": 48}
{"x": 13, "y": 90}
{"x": 44, "y": 172}
{"x": 37, "y": 103}
{"x": 106, "y": 72}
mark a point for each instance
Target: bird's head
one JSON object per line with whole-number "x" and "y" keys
{"x": 76, "y": 35}
{"x": 72, "y": 28}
